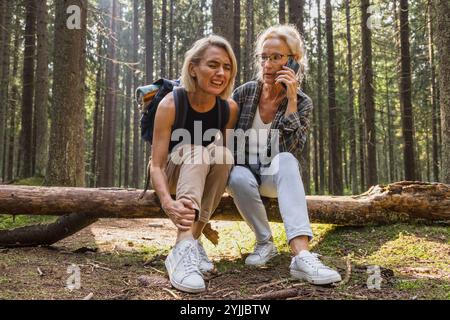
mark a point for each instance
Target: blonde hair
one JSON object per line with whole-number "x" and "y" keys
{"x": 195, "y": 54}
{"x": 294, "y": 40}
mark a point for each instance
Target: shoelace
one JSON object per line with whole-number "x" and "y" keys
{"x": 190, "y": 259}
{"x": 313, "y": 261}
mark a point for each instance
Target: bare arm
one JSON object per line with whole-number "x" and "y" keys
{"x": 234, "y": 112}
{"x": 180, "y": 212}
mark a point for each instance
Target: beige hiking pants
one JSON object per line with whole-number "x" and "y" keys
{"x": 199, "y": 174}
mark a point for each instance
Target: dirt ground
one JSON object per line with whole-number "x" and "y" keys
{"x": 124, "y": 259}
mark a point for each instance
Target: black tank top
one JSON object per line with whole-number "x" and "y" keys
{"x": 197, "y": 123}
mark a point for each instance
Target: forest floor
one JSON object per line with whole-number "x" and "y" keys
{"x": 124, "y": 259}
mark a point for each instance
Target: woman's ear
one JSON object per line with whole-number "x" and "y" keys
{"x": 192, "y": 71}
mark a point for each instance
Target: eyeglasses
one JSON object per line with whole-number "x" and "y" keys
{"x": 275, "y": 57}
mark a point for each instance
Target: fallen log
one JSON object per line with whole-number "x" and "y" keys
{"x": 398, "y": 202}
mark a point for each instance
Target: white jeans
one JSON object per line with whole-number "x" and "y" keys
{"x": 283, "y": 182}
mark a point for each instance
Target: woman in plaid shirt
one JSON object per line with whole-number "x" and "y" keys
{"x": 275, "y": 116}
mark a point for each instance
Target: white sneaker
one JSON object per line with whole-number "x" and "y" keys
{"x": 205, "y": 265}
{"x": 261, "y": 254}
{"x": 182, "y": 266}
{"x": 307, "y": 266}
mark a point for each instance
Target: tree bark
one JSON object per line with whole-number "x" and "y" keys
{"x": 41, "y": 90}
{"x": 433, "y": 94}
{"x": 319, "y": 102}
{"x": 222, "y": 11}
{"x": 27, "y": 91}
{"x": 351, "y": 98}
{"x": 397, "y": 202}
{"x": 107, "y": 150}
{"x": 5, "y": 45}
{"x": 367, "y": 97}
{"x": 13, "y": 105}
{"x": 163, "y": 73}
{"x": 442, "y": 8}
{"x": 136, "y": 113}
{"x": 281, "y": 12}
{"x": 335, "y": 173}
{"x": 405, "y": 94}
{"x": 237, "y": 38}
{"x": 249, "y": 40}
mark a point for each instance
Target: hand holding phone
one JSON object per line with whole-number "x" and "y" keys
{"x": 292, "y": 64}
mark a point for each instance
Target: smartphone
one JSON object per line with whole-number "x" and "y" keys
{"x": 293, "y": 64}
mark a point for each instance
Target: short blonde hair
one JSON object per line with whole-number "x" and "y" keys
{"x": 195, "y": 54}
{"x": 294, "y": 40}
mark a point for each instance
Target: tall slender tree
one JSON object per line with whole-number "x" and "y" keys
{"x": 136, "y": 138}
{"x": 351, "y": 97}
{"x": 163, "y": 57}
{"x": 222, "y": 11}
{"x": 405, "y": 94}
{"x": 5, "y": 34}
{"x": 442, "y": 12}
{"x": 319, "y": 105}
{"x": 107, "y": 154}
{"x": 237, "y": 38}
{"x": 28, "y": 90}
{"x": 433, "y": 94}
{"x": 249, "y": 40}
{"x": 335, "y": 173}
{"x": 41, "y": 90}
{"x": 282, "y": 11}
{"x": 367, "y": 96}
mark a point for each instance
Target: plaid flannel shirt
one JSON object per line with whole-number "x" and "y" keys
{"x": 292, "y": 128}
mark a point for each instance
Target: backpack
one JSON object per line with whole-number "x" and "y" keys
{"x": 149, "y": 97}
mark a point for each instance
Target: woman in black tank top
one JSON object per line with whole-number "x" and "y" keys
{"x": 189, "y": 192}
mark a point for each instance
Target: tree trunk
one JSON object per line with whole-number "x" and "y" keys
{"x": 27, "y": 91}
{"x": 237, "y": 38}
{"x": 405, "y": 94}
{"x": 296, "y": 10}
{"x": 41, "y": 90}
{"x": 136, "y": 113}
{"x": 222, "y": 11}
{"x": 13, "y": 105}
{"x": 442, "y": 8}
{"x": 401, "y": 201}
{"x": 171, "y": 39}
{"x": 319, "y": 102}
{"x": 249, "y": 40}
{"x": 107, "y": 150}
{"x": 334, "y": 112}
{"x": 367, "y": 98}
{"x": 163, "y": 39}
{"x": 351, "y": 107}
{"x": 434, "y": 115}
{"x": 148, "y": 41}
{"x": 128, "y": 104}
{"x": 66, "y": 164}
{"x": 4, "y": 83}
{"x": 282, "y": 12}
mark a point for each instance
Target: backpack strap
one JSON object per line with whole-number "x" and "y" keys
{"x": 181, "y": 107}
{"x": 224, "y": 113}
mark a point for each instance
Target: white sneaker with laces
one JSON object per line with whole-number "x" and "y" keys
{"x": 205, "y": 265}
{"x": 182, "y": 266}
{"x": 307, "y": 266}
{"x": 262, "y": 253}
